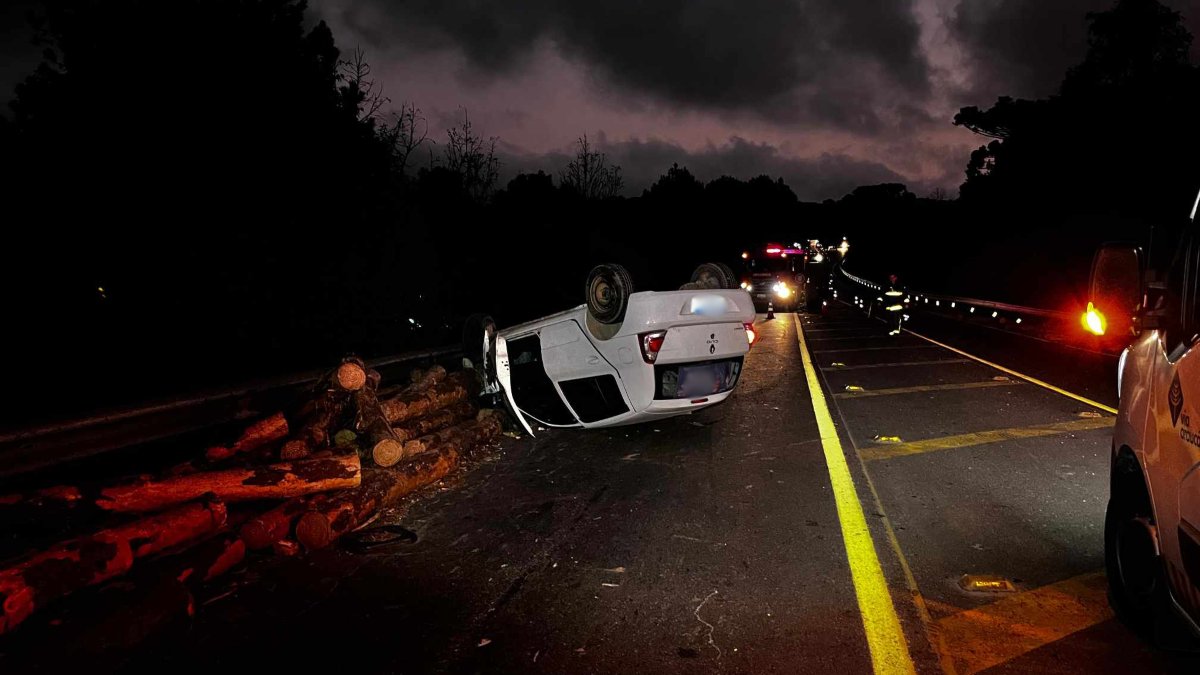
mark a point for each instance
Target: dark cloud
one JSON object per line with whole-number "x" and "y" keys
{"x": 643, "y": 161}
{"x": 775, "y": 59}
{"x": 18, "y": 55}
{"x": 1024, "y": 47}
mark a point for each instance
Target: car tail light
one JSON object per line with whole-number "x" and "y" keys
{"x": 651, "y": 343}
{"x": 751, "y": 336}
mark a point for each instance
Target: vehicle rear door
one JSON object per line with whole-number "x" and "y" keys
{"x": 588, "y": 383}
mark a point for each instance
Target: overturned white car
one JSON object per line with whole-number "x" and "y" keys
{"x": 622, "y": 357}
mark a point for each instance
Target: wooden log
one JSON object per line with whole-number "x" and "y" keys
{"x": 344, "y": 511}
{"x": 208, "y": 560}
{"x": 257, "y": 435}
{"x": 423, "y": 380}
{"x": 267, "y": 528}
{"x": 322, "y": 419}
{"x": 381, "y": 488}
{"x": 160, "y": 593}
{"x": 66, "y": 567}
{"x": 413, "y": 404}
{"x": 462, "y": 438}
{"x": 376, "y": 437}
{"x": 274, "y": 481}
{"x": 30, "y": 510}
{"x": 435, "y": 421}
{"x": 351, "y": 374}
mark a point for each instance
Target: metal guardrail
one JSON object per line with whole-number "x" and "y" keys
{"x": 954, "y": 300}
{"x": 25, "y": 450}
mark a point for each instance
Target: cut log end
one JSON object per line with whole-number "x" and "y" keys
{"x": 313, "y": 530}
{"x": 387, "y": 452}
{"x": 351, "y": 376}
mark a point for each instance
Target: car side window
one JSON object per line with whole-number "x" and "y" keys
{"x": 1191, "y": 299}
{"x": 1183, "y": 290}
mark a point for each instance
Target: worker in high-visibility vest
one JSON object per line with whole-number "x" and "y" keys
{"x": 893, "y": 304}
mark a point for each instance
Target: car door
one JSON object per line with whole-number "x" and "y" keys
{"x": 1177, "y": 424}
{"x": 587, "y": 382}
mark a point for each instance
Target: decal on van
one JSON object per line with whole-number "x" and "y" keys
{"x": 1175, "y": 400}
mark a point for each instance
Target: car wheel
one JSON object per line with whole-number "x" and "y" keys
{"x": 715, "y": 275}
{"x": 1137, "y": 587}
{"x": 608, "y": 289}
{"x": 479, "y": 346}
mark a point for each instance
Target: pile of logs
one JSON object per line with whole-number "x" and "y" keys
{"x": 287, "y": 483}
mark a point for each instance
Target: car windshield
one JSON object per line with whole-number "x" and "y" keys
{"x": 771, "y": 265}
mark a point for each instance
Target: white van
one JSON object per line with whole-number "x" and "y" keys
{"x": 1152, "y": 525}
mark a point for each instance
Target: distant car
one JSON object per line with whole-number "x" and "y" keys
{"x": 622, "y": 357}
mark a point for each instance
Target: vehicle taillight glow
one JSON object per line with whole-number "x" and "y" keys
{"x": 1093, "y": 321}
{"x": 651, "y": 344}
{"x": 751, "y": 336}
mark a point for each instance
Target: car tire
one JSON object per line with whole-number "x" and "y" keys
{"x": 1137, "y": 585}
{"x": 607, "y": 291}
{"x": 715, "y": 275}
{"x": 480, "y": 354}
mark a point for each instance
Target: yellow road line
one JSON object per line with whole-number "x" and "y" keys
{"x": 1040, "y": 383}
{"x": 869, "y": 349}
{"x": 1018, "y": 624}
{"x": 879, "y": 335}
{"x": 867, "y": 393}
{"x": 983, "y": 437}
{"x": 885, "y": 637}
{"x": 862, "y": 366}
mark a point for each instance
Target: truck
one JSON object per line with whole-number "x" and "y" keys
{"x": 1152, "y": 519}
{"x": 781, "y": 277}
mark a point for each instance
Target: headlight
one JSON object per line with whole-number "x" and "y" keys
{"x": 782, "y": 290}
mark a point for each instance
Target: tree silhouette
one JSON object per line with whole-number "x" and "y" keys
{"x": 1116, "y": 138}
{"x": 404, "y": 133}
{"x": 473, "y": 158}
{"x": 589, "y": 174}
{"x": 677, "y": 184}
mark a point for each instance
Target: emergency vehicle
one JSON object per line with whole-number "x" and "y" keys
{"x": 771, "y": 276}
{"x": 1152, "y": 523}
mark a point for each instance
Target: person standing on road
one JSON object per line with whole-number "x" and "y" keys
{"x": 893, "y": 304}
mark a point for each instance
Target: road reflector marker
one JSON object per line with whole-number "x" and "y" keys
{"x": 837, "y": 364}
{"x": 885, "y": 636}
{"x": 1016, "y": 624}
{"x": 854, "y": 387}
{"x": 1002, "y": 378}
{"x": 1089, "y": 414}
{"x": 888, "y": 439}
{"x": 986, "y": 583}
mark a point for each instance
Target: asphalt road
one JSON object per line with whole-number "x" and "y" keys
{"x": 714, "y": 543}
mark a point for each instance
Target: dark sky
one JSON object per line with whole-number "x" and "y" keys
{"x": 829, "y": 94}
